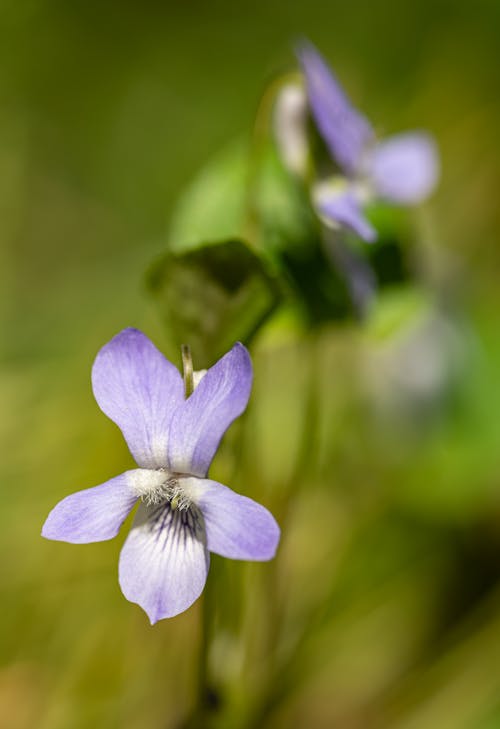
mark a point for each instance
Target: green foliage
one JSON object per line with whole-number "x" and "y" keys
{"x": 213, "y": 206}
{"x": 246, "y": 192}
{"x": 212, "y": 296}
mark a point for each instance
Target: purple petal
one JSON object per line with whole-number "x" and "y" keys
{"x": 139, "y": 389}
{"x": 93, "y": 515}
{"x": 201, "y": 421}
{"x": 236, "y": 526}
{"x": 405, "y": 168}
{"x": 355, "y": 269}
{"x": 164, "y": 561}
{"x": 344, "y": 209}
{"x": 346, "y": 132}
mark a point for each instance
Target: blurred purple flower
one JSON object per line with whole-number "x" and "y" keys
{"x": 182, "y": 515}
{"x": 401, "y": 169}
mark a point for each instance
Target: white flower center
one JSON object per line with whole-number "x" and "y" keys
{"x": 156, "y": 486}
{"x": 198, "y": 375}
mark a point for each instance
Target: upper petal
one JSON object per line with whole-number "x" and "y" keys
{"x": 164, "y": 561}
{"x": 139, "y": 389}
{"x": 236, "y": 526}
{"x": 92, "y": 515}
{"x": 346, "y": 132}
{"x": 344, "y": 208}
{"x": 405, "y": 168}
{"x": 201, "y": 421}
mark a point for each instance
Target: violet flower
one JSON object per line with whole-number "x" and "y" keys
{"x": 182, "y": 515}
{"x": 402, "y": 169}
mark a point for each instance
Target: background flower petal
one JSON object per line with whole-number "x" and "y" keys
{"x": 164, "y": 561}
{"x": 139, "y": 389}
{"x": 344, "y": 209}
{"x": 346, "y": 132}
{"x": 201, "y": 421}
{"x": 236, "y": 526}
{"x": 92, "y": 515}
{"x": 405, "y": 168}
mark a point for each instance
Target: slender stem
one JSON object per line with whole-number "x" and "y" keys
{"x": 206, "y": 699}
{"x": 207, "y": 702}
{"x": 283, "y": 672}
{"x": 203, "y": 670}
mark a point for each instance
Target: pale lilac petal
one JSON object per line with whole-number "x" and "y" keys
{"x": 139, "y": 389}
{"x": 344, "y": 209}
{"x": 201, "y": 421}
{"x": 404, "y": 168}
{"x": 93, "y": 515}
{"x": 346, "y": 132}
{"x": 236, "y": 526}
{"x": 164, "y": 561}
{"x": 357, "y": 272}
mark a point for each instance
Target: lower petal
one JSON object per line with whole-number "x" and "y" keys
{"x": 93, "y": 515}
{"x": 343, "y": 208}
{"x": 164, "y": 561}
{"x": 404, "y": 168}
{"x": 355, "y": 269}
{"x": 236, "y": 526}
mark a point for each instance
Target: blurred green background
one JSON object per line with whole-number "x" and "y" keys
{"x": 383, "y": 606}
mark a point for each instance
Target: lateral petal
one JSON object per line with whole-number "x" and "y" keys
{"x": 201, "y": 420}
{"x": 92, "y": 515}
{"x": 164, "y": 561}
{"x": 236, "y": 526}
{"x": 404, "y": 168}
{"x": 139, "y": 389}
{"x": 343, "y": 208}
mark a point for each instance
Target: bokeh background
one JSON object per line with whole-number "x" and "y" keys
{"x": 382, "y": 609}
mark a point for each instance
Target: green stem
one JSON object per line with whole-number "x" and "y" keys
{"x": 283, "y": 674}
{"x": 204, "y": 713}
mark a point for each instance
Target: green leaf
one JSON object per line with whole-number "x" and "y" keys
{"x": 212, "y": 297}
{"x": 246, "y": 194}
{"x": 282, "y": 208}
{"x": 213, "y": 205}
